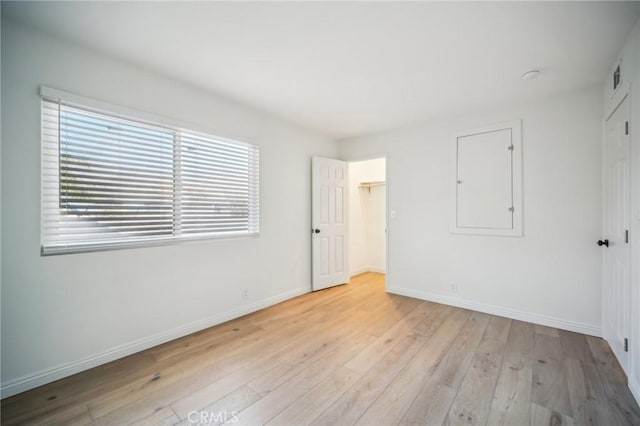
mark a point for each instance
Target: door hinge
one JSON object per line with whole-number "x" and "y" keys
{"x": 626, "y": 236}
{"x": 511, "y": 209}
{"x": 626, "y": 344}
{"x": 510, "y": 147}
{"x": 626, "y": 127}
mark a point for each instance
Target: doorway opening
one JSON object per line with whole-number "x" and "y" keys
{"x": 367, "y": 217}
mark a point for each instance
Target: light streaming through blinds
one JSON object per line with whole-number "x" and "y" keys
{"x": 110, "y": 181}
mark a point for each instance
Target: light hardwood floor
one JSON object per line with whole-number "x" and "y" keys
{"x": 349, "y": 355}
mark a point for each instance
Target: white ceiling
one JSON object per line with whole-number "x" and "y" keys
{"x": 348, "y": 69}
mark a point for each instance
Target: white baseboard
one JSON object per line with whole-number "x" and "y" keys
{"x": 563, "y": 324}
{"x": 634, "y": 386}
{"x": 42, "y": 377}
{"x": 358, "y": 272}
{"x": 367, "y": 269}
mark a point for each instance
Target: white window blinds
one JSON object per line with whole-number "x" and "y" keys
{"x": 110, "y": 181}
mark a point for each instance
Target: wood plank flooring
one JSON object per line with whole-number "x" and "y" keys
{"x": 349, "y": 355}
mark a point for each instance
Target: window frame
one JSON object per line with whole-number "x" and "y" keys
{"x": 143, "y": 118}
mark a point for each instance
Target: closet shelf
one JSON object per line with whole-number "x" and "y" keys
{"x": 368, "y": 185}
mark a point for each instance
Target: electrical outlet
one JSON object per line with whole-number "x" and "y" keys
{"x": 245, "y": 294}
{"x": 454, "y": 288}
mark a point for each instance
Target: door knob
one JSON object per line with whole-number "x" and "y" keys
{"x": 603, "y": 243}
{"x": 315, "y": 231}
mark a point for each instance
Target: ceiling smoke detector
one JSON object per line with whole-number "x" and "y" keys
{"x": 530, "y": 75}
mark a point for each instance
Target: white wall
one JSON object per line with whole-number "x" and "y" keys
{"x": 65, "y": 313}
{"x": 630, "y": 69}
{"x": 552, "y": 274}
{"x": 367, "y": 245}
{"x": 0, "y": 183}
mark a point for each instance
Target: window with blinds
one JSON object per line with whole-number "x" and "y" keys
{"x": 110, "y": 181}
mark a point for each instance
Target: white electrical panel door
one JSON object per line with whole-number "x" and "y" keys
{"x": 486, "y": 181}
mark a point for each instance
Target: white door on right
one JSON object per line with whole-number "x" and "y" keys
{"x": 616, "y": 197}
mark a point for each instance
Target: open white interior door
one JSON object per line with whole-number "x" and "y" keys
{"x": 329, "y": 223}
